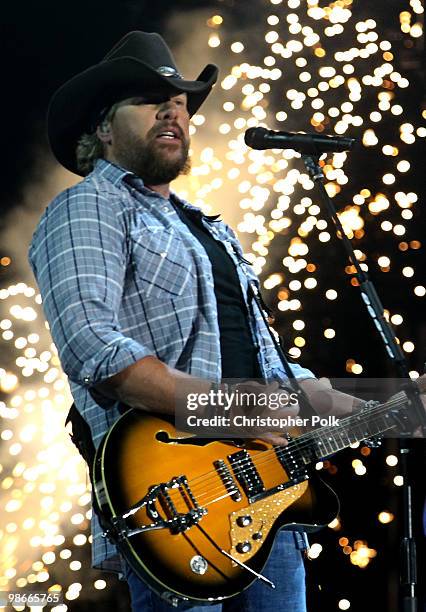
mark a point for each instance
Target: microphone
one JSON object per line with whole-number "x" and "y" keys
{"x": 309, "y": 144}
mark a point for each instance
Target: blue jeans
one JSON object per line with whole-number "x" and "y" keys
{"x": 284, "y": 568}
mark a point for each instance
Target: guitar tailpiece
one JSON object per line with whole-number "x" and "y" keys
{"x": 177, "y": 522}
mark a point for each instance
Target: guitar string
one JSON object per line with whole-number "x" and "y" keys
{"x": 268, "y": 467}
{"x": 264, "y": 457}
{"x": 219, "y": 488}
{"x": 179, "y": 498}
{"x": 304, "y": 440}
{"x": 299, "y": 445}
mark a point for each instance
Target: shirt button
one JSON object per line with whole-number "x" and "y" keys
{"x": 165, "y": 208}
{"x": 163, "y": 254}
{"x": 86, "y": 379}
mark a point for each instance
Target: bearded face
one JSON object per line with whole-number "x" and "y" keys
{"x": 151, "y": 138}
{"x": 156, "y": 159}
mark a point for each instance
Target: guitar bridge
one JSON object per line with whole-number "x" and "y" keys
{"x": 160, "y": 498}
{"x": 177, "y": 521}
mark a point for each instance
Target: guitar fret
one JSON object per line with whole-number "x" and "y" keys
{"x": 307, "y": 454}
{"x": 344, "y": 441}
{"x": 361, "y": 426}
{"x": 332, "y": 442}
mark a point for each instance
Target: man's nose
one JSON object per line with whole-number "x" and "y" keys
{"x": 168, "y": 110}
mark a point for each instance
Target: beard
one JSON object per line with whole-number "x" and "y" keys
{"x": 150, "y": 160}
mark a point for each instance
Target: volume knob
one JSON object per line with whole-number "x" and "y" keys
{"x": 243, "y": 521}
{"x": 243, "y": 547}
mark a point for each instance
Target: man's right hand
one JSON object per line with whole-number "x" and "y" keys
{"x": 264, "y": 400}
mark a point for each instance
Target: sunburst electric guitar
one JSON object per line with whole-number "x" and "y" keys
{"x": 196, "y": 518}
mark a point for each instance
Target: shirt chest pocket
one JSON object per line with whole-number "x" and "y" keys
{"x": 162, "y": 265}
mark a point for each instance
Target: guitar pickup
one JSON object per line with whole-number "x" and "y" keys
{"x": 246, "y": 473}
{"x": 227, "y": 480}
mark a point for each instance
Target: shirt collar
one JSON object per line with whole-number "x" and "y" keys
{"x": 195, "y": 210}
{"x": 116, "y": 174}
{"x": 113, "y": 173}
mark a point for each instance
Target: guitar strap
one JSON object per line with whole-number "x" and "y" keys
{"x": 255, "y": 295}
{"x": 81, "y": 437}
{"x": 265, "y": 311}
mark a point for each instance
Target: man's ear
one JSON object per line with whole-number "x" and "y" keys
{"x": 103, "y": 132}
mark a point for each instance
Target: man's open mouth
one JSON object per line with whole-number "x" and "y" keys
{"x": 168, "y": 135}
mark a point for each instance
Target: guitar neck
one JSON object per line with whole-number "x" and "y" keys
{"x": 315, "y": 445}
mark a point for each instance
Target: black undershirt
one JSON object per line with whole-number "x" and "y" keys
{"x": 237, "y": 350}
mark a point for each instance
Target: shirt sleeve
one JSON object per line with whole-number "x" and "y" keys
{"x": 79, "y": 258}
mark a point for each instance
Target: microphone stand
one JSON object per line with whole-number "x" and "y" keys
{"x": 408, "y": 575}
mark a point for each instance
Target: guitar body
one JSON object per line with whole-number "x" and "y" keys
{"x": 231, "y": 499}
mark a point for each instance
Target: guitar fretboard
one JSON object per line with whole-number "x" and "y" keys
{"x": 314, "y": 446}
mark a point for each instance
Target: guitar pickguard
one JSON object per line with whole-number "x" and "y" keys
{"x": 251, "y": 525}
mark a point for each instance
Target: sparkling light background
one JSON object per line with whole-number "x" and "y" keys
{"x": 309, "y": 66}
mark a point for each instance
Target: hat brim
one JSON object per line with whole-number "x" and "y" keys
{"x": 74, "y": 105}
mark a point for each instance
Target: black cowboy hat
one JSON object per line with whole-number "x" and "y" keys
{"x": 140, "y": 62}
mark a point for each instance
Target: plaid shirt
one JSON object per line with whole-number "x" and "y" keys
{"x": 122, "y": 277}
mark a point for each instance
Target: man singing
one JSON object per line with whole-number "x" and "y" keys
{"x": 140, "y": 289}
